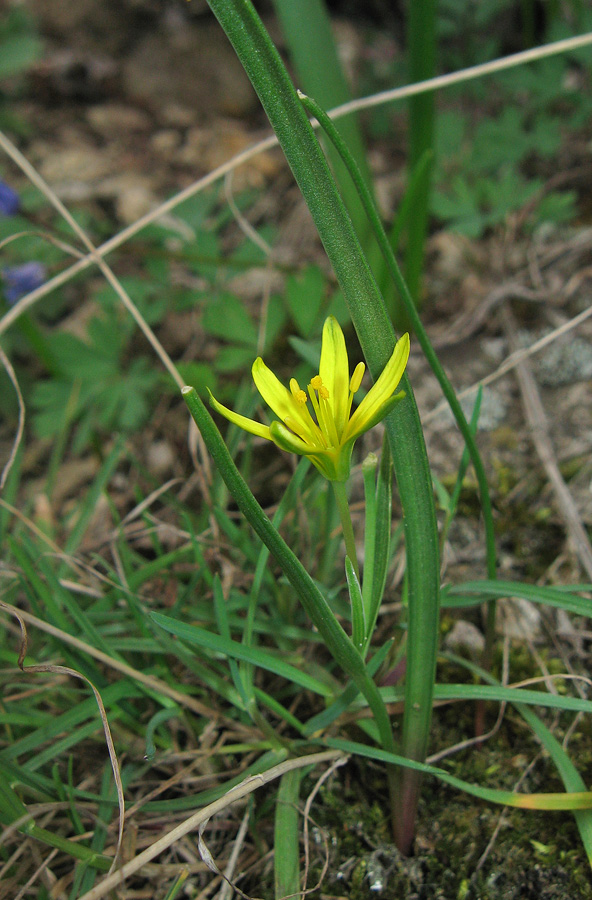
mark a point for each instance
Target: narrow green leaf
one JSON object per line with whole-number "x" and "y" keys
{"x": 471, "y": 593}
{"x": 286, "y": 842}
{"x": 357, "y": 606}
{"x": 577, "y": 800}
{"x": 233, "y": 650}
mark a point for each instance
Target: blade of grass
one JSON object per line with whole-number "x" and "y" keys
{"x": 571, "y": 801}
{"x": 472, "y": 593}
{"x": 233, "y": 650}
{"x": 421, "y": 54}
{"x": 382, "y": 540}
{"x": 309, "y": 35}
{"x": 569, "y": 774}
{"x": 88, "y": 505}
{"x": 343, "y": 702}
{"x": 286, "y": 841}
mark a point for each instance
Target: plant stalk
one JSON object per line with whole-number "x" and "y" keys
{"x": 340, "y": 491}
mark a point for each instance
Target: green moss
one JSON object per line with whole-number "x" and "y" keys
{"x": 533, "y": 856}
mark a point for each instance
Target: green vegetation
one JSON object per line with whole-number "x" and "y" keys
{"x": 198, "y": 587}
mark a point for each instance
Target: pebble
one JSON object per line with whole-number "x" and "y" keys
{"x": 465, "y": 636}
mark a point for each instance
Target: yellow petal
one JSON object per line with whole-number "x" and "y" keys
{"x": 334, "y": 371}
{"x": 242, "y": 421}
{"x": 381, "y": 391}
{"x": 282, "y": 401}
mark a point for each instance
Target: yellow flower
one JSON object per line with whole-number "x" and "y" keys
{"x": 327, "y": 438}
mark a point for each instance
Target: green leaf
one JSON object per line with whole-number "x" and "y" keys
{"x": 231, "y": 359}
{"x": 17, "y": 53}
{"x": 274, "y": 321}
{"x": 88, "y": 361}
{"x": 304, "y": 295}
{"x": 226, "y": 318}
{"x": 471, "y": 593}
{"x": 287, "y": 837}
{"x": 232, "y": 649}
{"x": 309, "y": 351}
{"x": 458, "y": 205}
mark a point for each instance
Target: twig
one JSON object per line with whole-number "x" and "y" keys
{"x": 539, "y": 430}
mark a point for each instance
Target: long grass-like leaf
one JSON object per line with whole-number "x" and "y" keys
{"x": 233, "y": 650}
{"x": 571, "y": 801}
{"x": 286, "y": 841}
{"x": 472, "y": 593}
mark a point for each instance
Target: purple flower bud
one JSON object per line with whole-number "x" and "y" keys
{"x": 9, "y": 200}
{"x": 20, "y": 280}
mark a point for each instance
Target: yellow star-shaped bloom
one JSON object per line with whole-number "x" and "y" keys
{"x": 327, "y": 438}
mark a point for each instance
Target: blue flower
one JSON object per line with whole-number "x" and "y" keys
{"x": 9, "y": 200}
{"x": 20, "y": 280}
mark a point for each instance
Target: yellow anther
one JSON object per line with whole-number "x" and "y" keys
{"x": 297, "y": 392}
{"x": 316, "y": 382}
{"x": 323, "y": 392}
{"x": 356, "y": 378}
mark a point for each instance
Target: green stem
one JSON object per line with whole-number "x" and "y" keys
{"x": 369, "y": 467}
{"x": 315, "y": 605}
{"x": 421, "y": 51}
{"x": 346, "y": 524}
{"x": 417, "y": 325}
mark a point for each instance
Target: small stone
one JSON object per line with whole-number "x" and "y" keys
{"x": 71, "y": 170}
{"x": 493, "y": 412}
{"x": 112, "y": 118}
{"x": 465, "y": 636}
{"x": 133, "y": 202}
{"x": 165, "y": 142}
{"x": 519, "y": 619}
{"x": 160, "y": 458}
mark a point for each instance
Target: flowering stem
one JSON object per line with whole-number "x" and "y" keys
{"x": 369, "y": 467}
{"x": 314, "y": 603}
{"x": 346, "y": 524}
{"x": 411, "y": 311}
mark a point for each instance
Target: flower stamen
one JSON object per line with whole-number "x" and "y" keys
{"x": 297, "y": 392}
{"x": 354, "y": 385}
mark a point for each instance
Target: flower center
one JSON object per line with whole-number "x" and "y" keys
{"x": 323, "y": 410}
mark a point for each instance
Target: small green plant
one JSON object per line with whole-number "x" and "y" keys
{"x": 20, "y": 47}
{"x": 481, "y": 173}
{"x": 405, "y": 440}
{"x": 196, "y": 627}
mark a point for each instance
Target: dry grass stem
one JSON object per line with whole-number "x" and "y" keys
{"x": 539, "y": 431}
{"x": 193, "y": 822}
